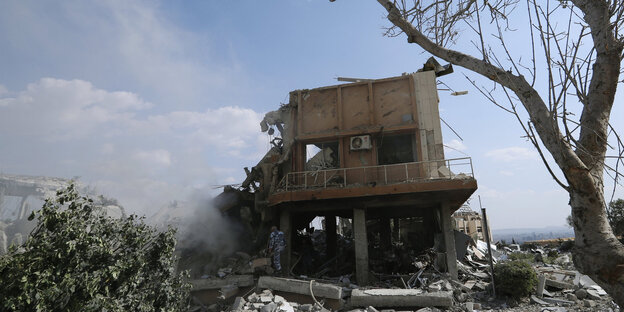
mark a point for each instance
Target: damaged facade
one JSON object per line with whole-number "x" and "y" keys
{"x": 368, "y": 157}
{"x": 22, "y": 194}
{"x": 470, "y": 223}
{"x": 19, "y": 195}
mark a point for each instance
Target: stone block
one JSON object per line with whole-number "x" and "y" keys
{"x": 239, "y": 304}
{"x": 589, "y": 303}
{"x": 558, "y": 284}
{"x": 581, "y": 293}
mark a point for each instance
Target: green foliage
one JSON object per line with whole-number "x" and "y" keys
{"x": 521, "y": 256}
{"x": 79, "y": 259}
{"x": 566, "y": 246}
{"x": 615, "y": 214}
{"x": 514, "y": 279}
{"x": 553, "y": 253}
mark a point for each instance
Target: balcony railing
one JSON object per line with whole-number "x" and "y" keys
{"x": 447, "y": 169}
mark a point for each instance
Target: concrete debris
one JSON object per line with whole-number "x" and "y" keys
{"x": 558, "y": 289}
{"x": 400, "y": 298}
{"x": 218, "y": 283}
{"x": 589, "y": 303}
{"x": 319, "y": 290}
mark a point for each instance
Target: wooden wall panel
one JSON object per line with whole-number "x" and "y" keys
{"x": 355, "y": 109}
{"x": 393, "y": 105}
{"x": 319, "y": 111}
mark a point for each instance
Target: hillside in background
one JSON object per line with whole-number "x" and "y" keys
{"x": 530, "y": 234}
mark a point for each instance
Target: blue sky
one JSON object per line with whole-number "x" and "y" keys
{"x": 149, "y": 100}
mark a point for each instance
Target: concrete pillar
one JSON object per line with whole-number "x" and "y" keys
{"x": 385, "y": 233}
{"x": 23, "y": 208}
{"x": 361, "y": 246}
{"x": 330, "y": 235}
{"x": 449, "y": 240}
{"x": 286, "y": 227}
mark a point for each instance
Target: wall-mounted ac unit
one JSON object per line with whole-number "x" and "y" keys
{"x": 360, "y": 142}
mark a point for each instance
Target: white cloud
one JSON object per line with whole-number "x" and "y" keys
{"x": 456, "y": 145}
{"x": 511, "y": 154}
{"x": 126, "y": 45}
{"x": 157, "y": 157}
{"x": 3, "y": 90}
{"x": 115, "y": 140}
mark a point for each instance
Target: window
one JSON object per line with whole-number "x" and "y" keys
{"x": 395, "y": 149}
{"x": 321, "y": 156}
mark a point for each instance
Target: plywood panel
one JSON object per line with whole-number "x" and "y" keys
{"x": 355, "y": 109}
{"x": 319, "y": 110}
{"x": 393, "y": 105}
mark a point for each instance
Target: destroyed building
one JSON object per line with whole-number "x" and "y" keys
{"x": 368, "y": 154}
{"x": 20, "y": 195}
{"x": 470, "y": 223}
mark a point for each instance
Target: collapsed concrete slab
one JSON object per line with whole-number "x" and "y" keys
{"x": 300, "y": 287}
{"x": 218, "y": 283}
{"x": 400, "y": 298}
{"x": 558, "y": 284}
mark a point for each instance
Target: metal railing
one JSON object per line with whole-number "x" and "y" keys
{"x": 447, "y": 169}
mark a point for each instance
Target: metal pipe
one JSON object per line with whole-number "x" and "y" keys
{"x": 406, "y": 174}
{"x": 324, "y": 178}
{"x": 471, "y": 169}
{"x": 386, "y": 173}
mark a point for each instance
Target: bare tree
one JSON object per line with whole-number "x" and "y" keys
{"x": 567, "y": 89}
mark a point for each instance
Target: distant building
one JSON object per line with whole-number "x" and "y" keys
{"x": 469, "y": 222}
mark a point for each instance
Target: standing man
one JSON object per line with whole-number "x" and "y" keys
{"x": 277, "y": 244}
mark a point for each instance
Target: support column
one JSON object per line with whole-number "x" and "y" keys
{"x": 449, "y": 240}
{"x": 361, "y": 246}
{"x": 23, "y": 208}
{"x": 330, "y": 235}
{"x": 385, "y": 233}
{"x": 286, "y": 227}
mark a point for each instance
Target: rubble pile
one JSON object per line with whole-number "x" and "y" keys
{"x": 245, "y": 283}
{"x": 267, "y": 302}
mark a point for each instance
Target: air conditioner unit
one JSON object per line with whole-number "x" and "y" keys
{"x": 360, "y": 142}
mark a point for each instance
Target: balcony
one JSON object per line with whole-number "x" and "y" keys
{"x": 413, "y": 172}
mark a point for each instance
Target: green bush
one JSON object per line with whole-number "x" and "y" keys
{"x": 553, "y": 254}
{"x": 566, "y": 246}
{"x": 79, "y": 259}
{"x": 516, "y": 256}
{"x": 514, "y": 279}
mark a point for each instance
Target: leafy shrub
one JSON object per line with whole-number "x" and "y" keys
{"x": 79, "y": 259}
{"x": 528, "y": 246}
{"x": 514, "y": 279}
{"x": 553, "y": 253}
{"x": 521, "y": 256}
{"x": 566, "y": 246}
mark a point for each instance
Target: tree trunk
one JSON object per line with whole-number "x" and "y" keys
{"x": 597, "y": 251}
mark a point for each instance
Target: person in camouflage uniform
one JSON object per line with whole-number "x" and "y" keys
{"x": 277, "y": 244}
